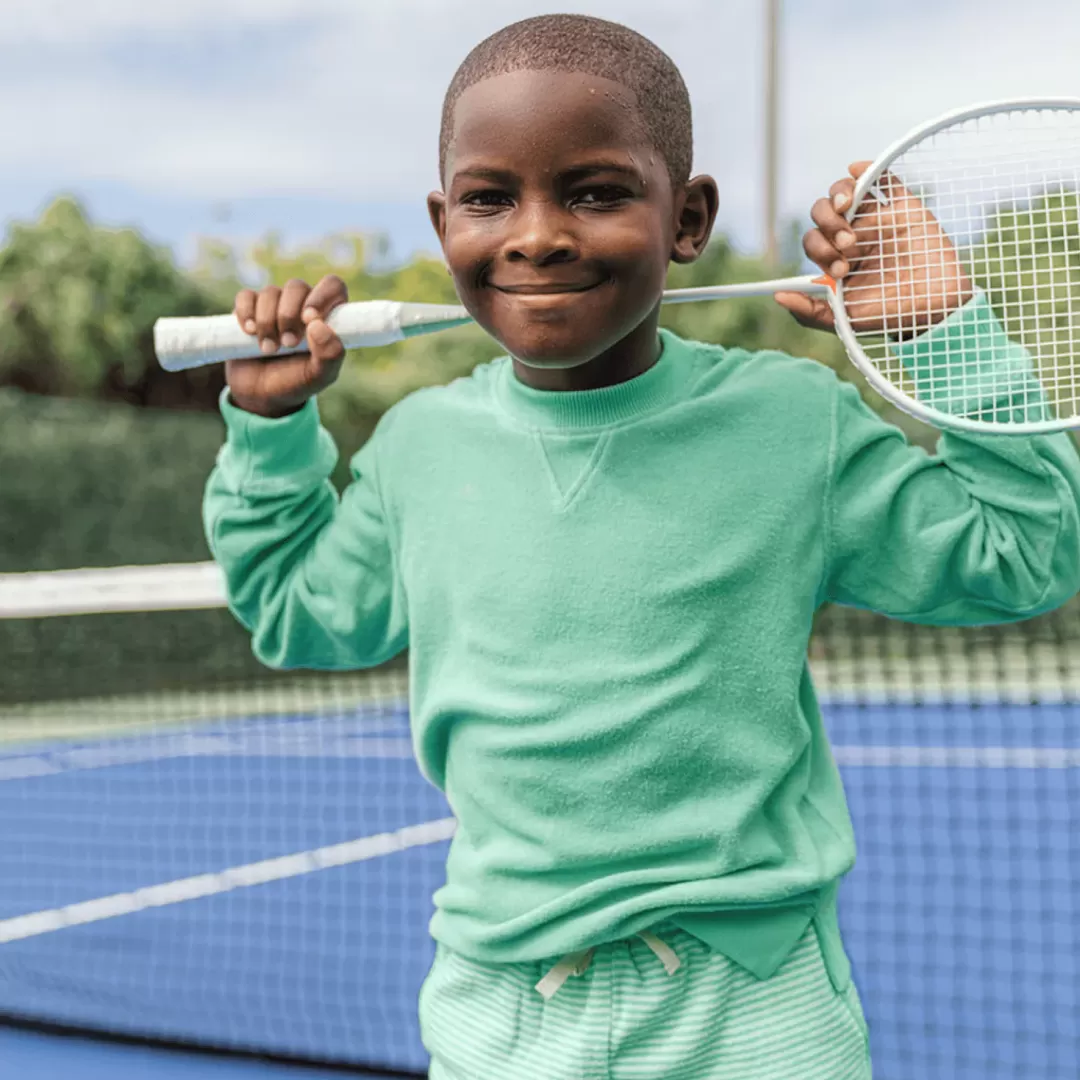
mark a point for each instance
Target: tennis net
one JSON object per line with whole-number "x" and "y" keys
{"x": 196, "y": 850}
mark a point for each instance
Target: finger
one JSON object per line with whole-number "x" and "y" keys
{"x": 799, "y": 304}
{"x": 820, "y": 251}
{"x": 328, "y": 293}
{"x": 244, "y": 308}
{"x": 884, "y": 191}
{"x": 326, "y": 347}
{"x": 289, "y": 324}
{"x": 807, "y": 310}
{"x": 321, "y": 373}
{"x": 835, "y": 227}
{"x": 841, "y": 194}
{"x": 889, "y": 185}
{"x": 843, "y": 191}
{"x": 266, "y": 309}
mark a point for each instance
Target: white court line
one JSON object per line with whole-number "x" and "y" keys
{"x": 237, "y": 877}
{"x": 285, "y": 744}
{"x": 431, "y": 832}
{"x": 999, "y": 694}
{"x": 167, "y": 748}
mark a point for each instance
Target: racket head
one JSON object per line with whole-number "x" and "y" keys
{"x": 1002, "y": 180}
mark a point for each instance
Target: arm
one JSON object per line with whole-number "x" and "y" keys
{"x": 988, "y": 529}
{"x": 311, "y": 576}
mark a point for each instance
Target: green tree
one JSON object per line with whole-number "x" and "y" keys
{"x": 1028, "y": 262}
{"x": 77, "y": 309}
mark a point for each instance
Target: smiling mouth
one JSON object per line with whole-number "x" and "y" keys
{"x": 547, "y": 288}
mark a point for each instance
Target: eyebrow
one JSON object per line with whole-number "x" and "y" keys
{"x": 479, "y": 172}
{"x": 575, "y": 172}
{"x": 587, "y": 168}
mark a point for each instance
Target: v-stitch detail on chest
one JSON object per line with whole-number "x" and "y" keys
{"x": 569, "y": 485}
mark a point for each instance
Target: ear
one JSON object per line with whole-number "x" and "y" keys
{"x": 436, "y": 205}
{"x": 695, "y": 209}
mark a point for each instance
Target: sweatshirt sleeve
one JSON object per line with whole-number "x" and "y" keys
{"x": 985, "y": 530}
{"x": 311, "y": 575}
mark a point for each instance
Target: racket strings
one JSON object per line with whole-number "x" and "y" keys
{"x": 991, "y": 205}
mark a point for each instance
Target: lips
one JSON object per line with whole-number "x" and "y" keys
{"x": 544, "y": 288}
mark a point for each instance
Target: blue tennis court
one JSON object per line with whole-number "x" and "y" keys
{"x": 265, "y": 882}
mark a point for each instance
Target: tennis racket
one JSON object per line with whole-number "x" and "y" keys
{"x": 993, "y": 189}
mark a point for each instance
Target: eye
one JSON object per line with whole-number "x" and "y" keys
{"x": 486, "y": 200}
{"x": 602, "y": 197}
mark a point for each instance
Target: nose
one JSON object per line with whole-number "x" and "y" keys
{"x": 541, "y": 234}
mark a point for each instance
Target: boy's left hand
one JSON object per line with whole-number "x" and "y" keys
{"x": 882, "y": 261}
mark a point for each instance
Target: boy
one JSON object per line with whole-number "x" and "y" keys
{"x": 604, "y": 553}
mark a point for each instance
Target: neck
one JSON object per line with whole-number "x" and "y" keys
{"x": 625, "y": 360}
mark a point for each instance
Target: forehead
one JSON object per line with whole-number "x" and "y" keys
{"x": 537, "y": 116}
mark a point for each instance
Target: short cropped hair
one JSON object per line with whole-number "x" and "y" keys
{"x": 595, "y": 47}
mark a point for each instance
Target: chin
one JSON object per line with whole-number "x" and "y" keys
{"x": 551, "y": 354}
{"x": 554, "y": 342}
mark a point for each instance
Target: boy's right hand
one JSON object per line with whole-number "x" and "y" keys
{"x": 272, "y": 385}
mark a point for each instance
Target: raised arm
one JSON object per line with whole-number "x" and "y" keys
{"x": 313, "y": 577}
{"x": 986, "y": 530}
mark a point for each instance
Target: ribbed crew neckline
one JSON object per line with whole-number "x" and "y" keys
{"x": 577, "y": 409}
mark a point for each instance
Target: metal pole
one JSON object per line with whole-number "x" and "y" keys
{"x": 772, "y": 129}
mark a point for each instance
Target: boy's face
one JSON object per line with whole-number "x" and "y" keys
{"x": 558, "y": 219}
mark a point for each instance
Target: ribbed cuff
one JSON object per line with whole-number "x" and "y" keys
{"x": 262, "y": 456}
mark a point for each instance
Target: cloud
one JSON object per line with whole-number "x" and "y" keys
{"x": 233, "y": 99}
{"x": 69, "y": 23}
{"x": 345, "y": 102}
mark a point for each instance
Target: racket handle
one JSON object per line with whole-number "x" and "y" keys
{"x": 190, "y": 342}
{"x": 182, "y": 343}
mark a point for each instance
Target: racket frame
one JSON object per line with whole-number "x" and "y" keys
{"x": 844, "y": 330}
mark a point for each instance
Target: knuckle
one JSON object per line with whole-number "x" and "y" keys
{"x": 337, "y": 286}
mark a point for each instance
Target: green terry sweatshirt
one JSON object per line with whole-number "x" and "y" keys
{"x": 607, "y": 597}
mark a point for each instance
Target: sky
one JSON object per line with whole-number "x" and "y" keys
{"x": 232, "y": 118}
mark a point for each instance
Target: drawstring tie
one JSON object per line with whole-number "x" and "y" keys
{"x": 578, "y": 963}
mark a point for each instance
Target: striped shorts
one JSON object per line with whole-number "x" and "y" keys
{"x": 661, "y": 1009}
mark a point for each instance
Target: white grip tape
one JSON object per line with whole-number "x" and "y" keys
{"x": 194, "y": 342}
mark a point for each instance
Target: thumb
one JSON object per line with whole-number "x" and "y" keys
{"x": 807, "y": 310}
{"x": 799, "y": 304}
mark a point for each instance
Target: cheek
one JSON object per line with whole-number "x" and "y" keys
{"x": 638, "y": 241}
{"x": 469, "y": 243}
{"x": 640, "y": 259}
